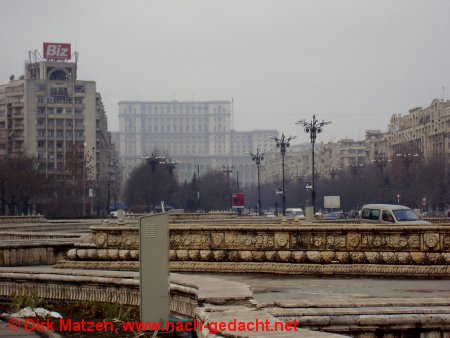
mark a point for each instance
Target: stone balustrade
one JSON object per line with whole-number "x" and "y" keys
{"x": 34, "y": 248}
{"x": 325, "y": 248}
{"x": 21, "y": 219}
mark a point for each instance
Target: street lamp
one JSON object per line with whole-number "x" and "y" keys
{"x": 381, "y": 161}
{"x": 3, "y": 179}
{"x": 283, "y": 143}
{"x": 333, "y": 173}
{"x": 312, "y": 128}
{"x": 153, "y": 160}
{"x": 227, "y": 170}
{"x": 258, "y": 157}
{"x": 170, "y": 166}
{"x": 92, "y": 190}
{"x": 407, "y": 158}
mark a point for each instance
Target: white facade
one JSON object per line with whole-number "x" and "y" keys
{"x": 197, "y": 134}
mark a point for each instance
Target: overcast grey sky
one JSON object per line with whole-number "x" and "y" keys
{"x": 353, "y": 62}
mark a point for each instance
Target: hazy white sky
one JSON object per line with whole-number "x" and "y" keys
{"x": 353, "y": 62}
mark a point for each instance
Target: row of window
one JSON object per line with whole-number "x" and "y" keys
{"x": 50, "y": 111}
{"x": 56, "y": 99}
{"x": 60, "y": 122}
{"x": 60, "y": 133}
{"x": 51, "y": 144}
{"x": 173, "y": 109}
{"x": 41, "y": 88}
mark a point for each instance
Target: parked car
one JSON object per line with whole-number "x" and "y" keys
{"x": 295, "y": 212}
{"x": 333, "y": 215}
{"x": 389, "y": 214}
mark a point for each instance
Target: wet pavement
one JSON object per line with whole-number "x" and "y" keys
{"x": 269, "y": 288}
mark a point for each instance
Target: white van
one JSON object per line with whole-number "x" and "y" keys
{"x": 295, "y": 212}
{"x": 389, "y": 214}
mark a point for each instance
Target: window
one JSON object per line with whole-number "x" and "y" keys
{"x": 79, "y": 89}
{"x": 387, "y": 216}
{"x": 372, "y": 214}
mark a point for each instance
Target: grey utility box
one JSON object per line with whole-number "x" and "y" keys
{"x": 154, "y": 267}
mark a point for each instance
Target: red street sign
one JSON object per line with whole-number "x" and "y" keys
{"x": 57, "y": 51}
{"x": 237, "y": 201}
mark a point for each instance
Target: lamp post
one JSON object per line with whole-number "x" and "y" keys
{"x": 381, "y": 161}
{"x": 153, "y": 160}
{"x": 227, "y": 170}
{"x": 258, "y": 157}
{"x": 92, "y": 190}
{"x": 312, "y": 128}
{"x": 333, "y": 173}
{"x": 407, "y": 158}
{"x": 3, "y": 195}
{"x": 283, "y": 143}
{"x": 171, "y": 167}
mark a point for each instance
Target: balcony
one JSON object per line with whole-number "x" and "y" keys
{"x": 17, "y": 137}
{"x": 18, "y": 126}
{"x": 56, "y": 100}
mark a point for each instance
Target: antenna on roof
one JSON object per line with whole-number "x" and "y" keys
{"x": 443, "y": 93}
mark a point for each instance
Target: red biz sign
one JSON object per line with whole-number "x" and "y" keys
{"x": 237, "y": 201}
{"x": 57, "y": 51}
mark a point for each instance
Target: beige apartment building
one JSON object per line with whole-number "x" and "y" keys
{"x": 422, "y": 130}
{"x": 50, "y": 114}
{"x": 330, "y": 157}
{"x": 196, "y": 134}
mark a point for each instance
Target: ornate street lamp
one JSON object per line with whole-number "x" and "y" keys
{"x": 283, "y": 143}
{"x": 3, "y": 179}
{"x": 258, "y": 157}
{"x": 312, "y": 128}
{"x": 381, "y": 161}
{"x": 407, "y": 158}
{"x": 153, "y": 160}
{"x": 171, "y": 166}
{"x": 228, "y": 170}
{"x": 333, "y": 173}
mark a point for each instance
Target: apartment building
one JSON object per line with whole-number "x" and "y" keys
{"x": 422, "y": 130}
{"x": 196, "y": 134}
{"x": 51, "y": 114}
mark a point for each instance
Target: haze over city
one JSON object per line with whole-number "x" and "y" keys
{"x": 354, "y": 63}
